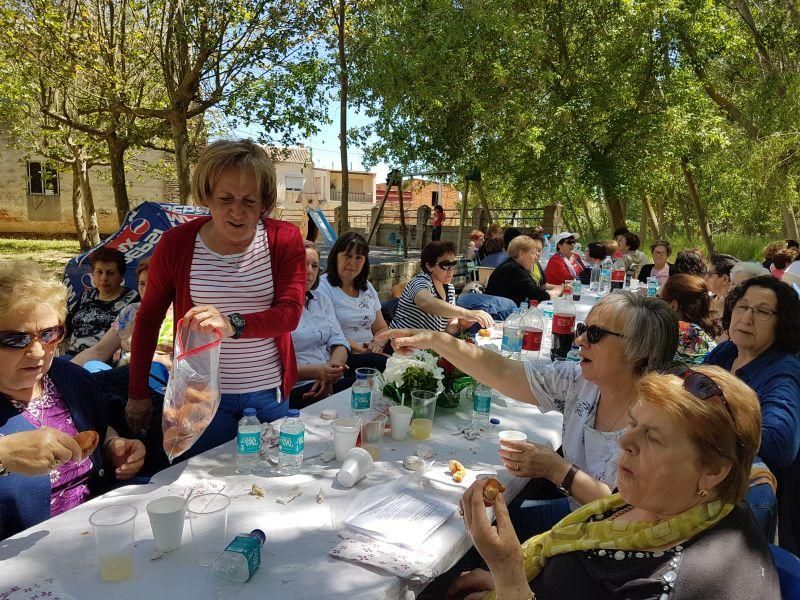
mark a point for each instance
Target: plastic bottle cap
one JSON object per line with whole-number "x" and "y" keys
{"x": 494, "y": 421}
{"x": 293, "y": 413}
{"x": 259, "y": 534}
{"x": 249, "y": 412}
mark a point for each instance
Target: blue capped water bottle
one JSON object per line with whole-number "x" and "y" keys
{"x": 241, "y": 558}
{"x": 291, "y": 443}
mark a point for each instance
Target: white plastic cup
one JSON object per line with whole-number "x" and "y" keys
{"x": 511, "y": 435}
{"x": 345, "y": 434}
{"x": 356, "y": 465}
{"x": 167, "y": 516}
{"x": 400, "y": 420}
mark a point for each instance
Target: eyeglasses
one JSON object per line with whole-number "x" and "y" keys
{"x": 447, "y": 265}
{"x": 759, "y": 313}
{"x": 698, "y": 385}
{"x": 19, "y": 340}
{"x": 570, "y": 242}
{"x": 594, "y": 333}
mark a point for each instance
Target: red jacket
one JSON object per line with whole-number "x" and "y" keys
{"x": 168, "y": 283}
{"x": 556, "y": 272}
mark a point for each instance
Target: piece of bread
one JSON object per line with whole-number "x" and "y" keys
{"x": 491, "y": 490}
{"x": 484, "y": 333}
{"x": 88, "y": 441}
{"x": 454, "y": 466}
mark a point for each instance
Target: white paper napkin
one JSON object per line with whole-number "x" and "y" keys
{"x": 416, "y": 564}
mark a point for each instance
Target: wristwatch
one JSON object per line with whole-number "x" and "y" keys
{"x": 566, "y": 485}
{"x": 237, "y": 321}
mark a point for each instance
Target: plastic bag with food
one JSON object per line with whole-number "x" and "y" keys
{"x": 192, "y": 395}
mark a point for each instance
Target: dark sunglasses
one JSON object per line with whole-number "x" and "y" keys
{"x": 698, "y": 385}
{"x": 594, "y": 333}
{"x": 570, "y": 242}
{"x": 19, "y": 340}
{"x": 446, "y": 265}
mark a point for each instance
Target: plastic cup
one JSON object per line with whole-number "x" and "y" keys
{"x": 423, "y": 405}
{"x": 372, "y": 430}
{"x": 113, "y": 535}
{"x": 356, "y": 465}
{"x": 375, "y": 380}
{"x": 345, "y": 434}
{"x": 400, "y": 420}
{"x": 167, "y": 516}
{"x": 208, "y": 519}
{"x": 511, "y": 435}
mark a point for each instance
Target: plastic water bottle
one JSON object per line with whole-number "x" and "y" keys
{"x": 512, "y": 336}
{"x": 291, "y": 442}
{"x": 248, "y": 442}
{"x": 360, "y": 394}
{"x": 594, "y": 278}
{"x": 652, "y": 286}
{"x": 532, "y": 332}
{"x": 577, "y": 289}
{"x": 574, "y": 354}
{"x": 605, "y": 275}
{"x": 241, "y": 557}
{"x": 481, "y": 405}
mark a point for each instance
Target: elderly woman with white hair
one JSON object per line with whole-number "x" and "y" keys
{"x": 742, "y": 271}
{"x": 624, "y": 337}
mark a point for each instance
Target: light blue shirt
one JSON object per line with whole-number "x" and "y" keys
{"x": 318, "y": 332}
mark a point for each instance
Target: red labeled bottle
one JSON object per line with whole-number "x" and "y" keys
{"x": 563, "y": 328}
{"x": 532, "y": 328}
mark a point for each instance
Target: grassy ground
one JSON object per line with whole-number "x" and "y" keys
{"x": 52, "y": 254}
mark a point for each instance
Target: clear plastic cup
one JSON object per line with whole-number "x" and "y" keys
{"x": 423, "y": 405}
{"x": 372, "y": 430}
{"x": 208, "y": 520}
{"x": 113, "y": 535}
{"x": 375, "y": 380}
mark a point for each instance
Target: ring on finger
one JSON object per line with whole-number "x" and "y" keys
{"x": 54, "y": 463}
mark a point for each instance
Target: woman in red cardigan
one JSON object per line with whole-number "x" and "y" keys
{"x": 236, "y": 271}
{"x": 564, "y": 265}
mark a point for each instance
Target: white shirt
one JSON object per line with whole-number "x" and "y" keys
{"x": 560, "y": 386}
{"x": 317, "y": 333}
{"x": 355, "y": 315}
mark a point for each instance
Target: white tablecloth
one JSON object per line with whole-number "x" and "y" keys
{"x": 295, "y": 561}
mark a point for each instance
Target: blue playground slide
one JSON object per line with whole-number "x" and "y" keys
{"x": 322, "y": 224}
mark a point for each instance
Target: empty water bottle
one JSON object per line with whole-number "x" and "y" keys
{"x": 241, "y": 558}
{"x": 291, "y": 443}
{"x": 248, "y": 442}
{"x": 605, "y": 275}
{"x": 594, "y": 279}
{"x": 512, "y": 336}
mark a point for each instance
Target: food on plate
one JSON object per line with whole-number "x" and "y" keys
{"x": 457, "y": 470}
{"x": 491, "y": 490}
{"x": 458, "y": 476}
{"x": 88, "y": 441}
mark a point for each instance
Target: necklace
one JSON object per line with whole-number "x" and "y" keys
{"x": 620, "y": 512}
{"x": 619, "y": 416}
{"x": 38, "y": 407}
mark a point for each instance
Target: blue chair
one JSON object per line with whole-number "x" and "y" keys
{"x": 159, "y": 376}
{"x": 788, "y": 567}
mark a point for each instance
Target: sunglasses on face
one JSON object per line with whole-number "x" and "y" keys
{"x": 447, "y": 265}
{"x": 594, "y": 333}
{"x": 19, "y": 340}
{"x": 698, "y": 385}
{"x": 570, "y": 242}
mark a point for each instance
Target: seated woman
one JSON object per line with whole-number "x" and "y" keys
{"x": 624, "y": 336}
{"x": 718, "y": 280}
{"x": 688, "y": 297}
{"x": 429, "y": 300}
{"x": 512, "y": 279}
{"x": 115, "y": 346}
{"x": 44, "y": 401}
{"x": 595, "y": 254}
{"x": 634, "y": 258}
{"x": 676, "y": 526}
{"x": 762, "y": 317}
{"x": 495, "y": 252}
{"x": 319, "y": 343}
{"x": 476, "y": 240}
{"x": 357, "y": 305}
{"x": 661, "y": 251}
{"x": 564, "y": 265}
{"x": 95, "y": 311}
{"x": 745, "y": 270}
{"x": 690, "y": 262}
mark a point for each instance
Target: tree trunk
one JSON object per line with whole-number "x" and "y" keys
{"x": 643, "y": 221}
{"x": 789, "y": 221}
{"x": 344, "y": 218}
{"x": 648, "y": 212}
{"x": 615, "y": 210}
{"x": 77, "y": 208}
{"x": 586, "y": 213}
{"x": 92, "y": 228}
{"x": 702, "y": 220}
{"x": 180, "y": 139}
{"x": 116, "y": 156}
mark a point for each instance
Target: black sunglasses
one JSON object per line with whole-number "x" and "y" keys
{"x": 570, "y": 242}
{"x": 446, "y": 265}
{"x": 19, "y": 340}
{"x": 698, "y": 385}
{"x": 594, "y": 333}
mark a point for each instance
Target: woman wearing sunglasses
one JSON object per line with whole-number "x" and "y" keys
{"x": 624, "y": 337}
{"x": 676, "y": 530}
{"x": 429, "y": 300}
{"x": 762, "y": 317}
{"x": 564, "y": 265}
{"x": 44, "y": 401}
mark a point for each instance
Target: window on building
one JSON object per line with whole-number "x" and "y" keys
{"x": 42, "y": 180}
{"x": 294, "y": 184}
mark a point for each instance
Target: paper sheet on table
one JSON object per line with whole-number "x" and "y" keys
{"x": 408, "y": 518}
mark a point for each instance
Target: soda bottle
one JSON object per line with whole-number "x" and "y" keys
{"x": 481, "y": 405}
{"x": 241, "y": 557}
{"x": 360, "y": 394}
{"x": 248, "y": 442}
{"x": 512, "y": 336}
{"x": 605, "y": 275}
{"x": 618, "y": 274}
{"x": 291, "y": 442}
{"x": 563, "y": 328}
{"x": 652, "y": 286}
{"x": 532, "y": 328}
{"x": 594, "y": 278}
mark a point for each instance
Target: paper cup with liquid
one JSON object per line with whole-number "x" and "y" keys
{"x": 345, "y": 434}
{"x": 113, "y": 536}
{"x": 167, "y": 516}
{"x": 423, "y": 405}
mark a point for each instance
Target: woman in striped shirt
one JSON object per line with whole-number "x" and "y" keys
{"x": 236, "y": 271}
{"x": 429, "y": 299}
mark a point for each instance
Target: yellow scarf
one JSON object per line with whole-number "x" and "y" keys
{"x": 575, "y": 532}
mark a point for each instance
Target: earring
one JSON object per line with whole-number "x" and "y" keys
{"x": 702, "y": 493}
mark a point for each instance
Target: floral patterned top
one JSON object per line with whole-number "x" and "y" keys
{"x": 69, "y": 482}
{"x": 693, "y": 343}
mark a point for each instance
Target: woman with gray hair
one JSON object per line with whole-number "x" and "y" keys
{"x": 742, "y": 271}
{"x": 624, "y": 337}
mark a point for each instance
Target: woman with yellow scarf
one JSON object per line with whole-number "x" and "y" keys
{"x": 676, "y": 529}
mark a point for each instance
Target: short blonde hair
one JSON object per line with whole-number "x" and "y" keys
{"x": 719, "y": 436}
{"x": 521, "y": 244}
{"x": 24, "y": 285}
{"x": 228, "y": 154}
